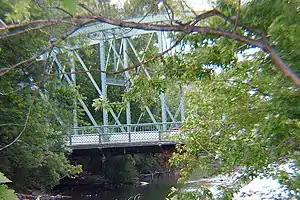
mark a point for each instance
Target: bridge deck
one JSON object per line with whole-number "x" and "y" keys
{"x": 149, "y": 138}
{"x": 123, "y": 145}
{"x": 132, "y": 135}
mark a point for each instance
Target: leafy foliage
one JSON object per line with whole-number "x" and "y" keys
{"x": 38, "y": 159}
{"x": 3, "y": 179}
{"x": 236, "y": 113}
{"x": 6, "y": 193}
{"x": 126, "y": 168}
{"x": 240, "y": 119}
{"x": 39, "y": 154}
{"x": 123, "y": 170}
{"x": 70, "y": 5}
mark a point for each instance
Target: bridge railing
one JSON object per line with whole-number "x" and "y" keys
{"x": 146, "y": 132}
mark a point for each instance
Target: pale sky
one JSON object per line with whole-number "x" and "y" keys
{"x": 197, "y": 5}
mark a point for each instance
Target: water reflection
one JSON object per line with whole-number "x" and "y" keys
{"x": 156, "y": 190}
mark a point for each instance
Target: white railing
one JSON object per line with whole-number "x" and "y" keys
{"x": 147, "y": 132}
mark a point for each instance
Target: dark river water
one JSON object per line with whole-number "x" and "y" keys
{"x": 155, "y": 190}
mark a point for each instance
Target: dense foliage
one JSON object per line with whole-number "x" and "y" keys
{"x": 39, "y": 155}
{"x": 35, "y": 113}
{"x": 246, "y": 118}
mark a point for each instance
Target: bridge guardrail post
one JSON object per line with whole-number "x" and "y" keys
{"x": 99, "y": 138}
{"x": 129, "y": 133}
{"x": 70, "y": 140}
{"x": 159, "y": 135}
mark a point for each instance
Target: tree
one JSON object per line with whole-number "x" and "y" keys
{"x": 234, "y": 122}
{"x": 39, "y": 155}
{"x": 240, "y": 119}
{"x": 34, "y": 117}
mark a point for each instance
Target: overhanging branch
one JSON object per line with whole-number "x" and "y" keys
{"x": 36, "y": 22}
{"x": 261, "y": 43}
{"x": 4, "y": 71}
{"x": 187, "y": 28}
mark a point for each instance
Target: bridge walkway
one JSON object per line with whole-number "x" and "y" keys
{"x": 129, "y": 135}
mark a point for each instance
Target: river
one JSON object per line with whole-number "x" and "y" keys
{"x": 158, "y": 189}
{"x": 155, "y": 190}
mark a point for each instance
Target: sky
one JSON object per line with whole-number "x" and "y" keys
{"x": 197, "y": 5}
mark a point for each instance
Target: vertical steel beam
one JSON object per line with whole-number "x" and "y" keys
{"x": 113, "y": 43}
{"x": 162, "y": 96}
{"x": 182, "y": 104}
{"x": 103, "y": 81}
{"x": 163, "y": 111}
{"x": 73, "y": 78}
{"x": 127, "y": 78}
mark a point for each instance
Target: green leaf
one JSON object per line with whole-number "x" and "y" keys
{"x": 70, "y": 5}
{"x": 6, "y": 193}
{"x": 3, "y": 179}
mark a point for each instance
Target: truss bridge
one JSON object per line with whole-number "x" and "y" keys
{"x": 115, "y": 49}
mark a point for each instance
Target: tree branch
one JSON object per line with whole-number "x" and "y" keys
{"x": 34, "y": 22}
{"x": 261, "y": 43}
{"x": 63, "y": 10}
{"x": 133, "y": 66}
{"x": 186, "y": 28}
{"x": 24, "y": 31}
{"x": 279, "y": 63}
{"x": 25, "y": 124}
{"x": 237, "y": 16}
{"x": 4, "y": 71}
{"x": 192, "y": 10}
{"x": 86, "y": 8}
{"x": 11, "y": 124}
